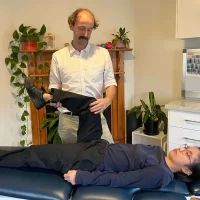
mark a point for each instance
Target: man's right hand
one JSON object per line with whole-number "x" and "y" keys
{"x": 56, "y": 105}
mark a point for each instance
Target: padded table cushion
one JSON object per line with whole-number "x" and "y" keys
{"x": 31, "y": 183}
{"x": 158, "y": 196}
{"x": 178, "y": 187}
{"x": 102, "y": 193}
{"x": 194, "y": 188}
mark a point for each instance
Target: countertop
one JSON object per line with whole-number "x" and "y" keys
{"x": 184, "y": 105}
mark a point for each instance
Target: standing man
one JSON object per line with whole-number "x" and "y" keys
{"x": 85, "y": 69}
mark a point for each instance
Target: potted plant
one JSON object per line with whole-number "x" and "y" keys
{"x": 152, "y": 116}
{"x": 16, "y": 63}
{"x": 121, "y": 40}
{"x": 29, "y": 37}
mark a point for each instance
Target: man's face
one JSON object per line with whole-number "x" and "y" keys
{"x": 184, "y": 156}
{"x": 83, "y": 27}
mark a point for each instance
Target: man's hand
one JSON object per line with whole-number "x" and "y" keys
{"x": 70, "y": 176}
{"x": 56, "y": 105}
{"x": 100, "y": 105}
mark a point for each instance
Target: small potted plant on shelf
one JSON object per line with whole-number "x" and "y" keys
{"x": 29, "y": 37}
{"x": 152, "y": 116}
{"x": 121, "y": 40}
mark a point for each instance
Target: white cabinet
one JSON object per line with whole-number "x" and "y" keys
{"x": 138, "y": 137}
{"x": 183, "y": 125}
{"x": 187, "y": 18}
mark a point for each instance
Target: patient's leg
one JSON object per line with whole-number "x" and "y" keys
{"x": 90, "y": 127}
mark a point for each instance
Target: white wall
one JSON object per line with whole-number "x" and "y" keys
{"x": 158, "y": 62}
{"x": 112, "y": 14}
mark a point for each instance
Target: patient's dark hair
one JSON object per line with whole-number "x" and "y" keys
{"x": 73, "y": 17}
{"x": 195, "y": 168}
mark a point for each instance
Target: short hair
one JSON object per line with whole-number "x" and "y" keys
{"x": 195, "y": 168}
{"x": 73, "y": 17}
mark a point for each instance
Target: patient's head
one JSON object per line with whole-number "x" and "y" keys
{"x": 185, "y": 160}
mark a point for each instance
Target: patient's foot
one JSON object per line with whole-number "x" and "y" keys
{"x": 37, "y": 96}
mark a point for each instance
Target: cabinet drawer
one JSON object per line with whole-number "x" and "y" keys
{"x": 182, "y": 136}
{"x": 186, "y": 120}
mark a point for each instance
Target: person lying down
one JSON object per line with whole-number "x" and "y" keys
{"x": 93, "y": 161}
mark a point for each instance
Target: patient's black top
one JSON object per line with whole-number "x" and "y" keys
{"x": 127, "y": 165}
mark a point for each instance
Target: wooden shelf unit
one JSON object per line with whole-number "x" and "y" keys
{"x": 117, "y": 107}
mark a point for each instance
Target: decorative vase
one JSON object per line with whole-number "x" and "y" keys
{"x": 151, "y": 127}
{"x": 30, "y": 46}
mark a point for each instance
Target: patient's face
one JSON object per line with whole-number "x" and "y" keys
{"x": 184, "y": 156}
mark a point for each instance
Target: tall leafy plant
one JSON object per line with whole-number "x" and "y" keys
{"x": 17, "y": 63}
{"x": 51, "y": 123}
{"x": 152, "y": 112}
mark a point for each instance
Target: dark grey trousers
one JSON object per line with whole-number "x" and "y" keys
{"x": 87, "y": 154}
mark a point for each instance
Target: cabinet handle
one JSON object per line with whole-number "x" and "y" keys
{"x": 191, "y": 121}
{"x": 191, "y": 139}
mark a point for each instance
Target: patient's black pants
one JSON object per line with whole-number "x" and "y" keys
{"x": 87, "y": 154}
{"x": 90, "y": 127}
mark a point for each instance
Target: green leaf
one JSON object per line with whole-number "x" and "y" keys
{"x": 20, "y": 105}
{"x": 17, "y": 84}
{"x": 34, "y": 38}
{"x": 7, "y": 60}
{"x": 42, "y": 30}
{"x": 31, "y": 31}
{"x": 21, "y": 28}
{"x": 23, "y": 65}
{"x": 17, "y": 72}
{"x": 146, "y": 108}
{"x": 22, "y": 143}
{"x": 23, "y": 127}
{"x": 23, "y": 118}
{"x": 57, "y": 139}
{"x": 21, "y": 91}
{"x": 53, "y": 122}
{"x": 25, "y": 113}
{"x": 23, "y": 75}
{"x": 12, "y": 66}
{"x": 12, "y": 78}
{"x": 26, "y": 99}
{"x": 40, "y": 66}
{"x": 38, "y": 53}
{"x": 15, "y": 35}
{"x": 52, "y": 133}
{"x": 152, "y": 100}
{"x": 40, "y": 45}
{"x": 24, "y": 58}
{"x": 139, "y": 114}
{"x": 146, "y": 117}
{"x": 15, "y": 49}
{"x": 23, "y": 132}
{"x": 15, "y": 56}
{"x": 14, "y": 61}
{"x": 46, "y": 64}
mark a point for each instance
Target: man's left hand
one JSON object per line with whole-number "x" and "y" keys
{"x": 70, "y": 176}
{"x": 99, "y": 105}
